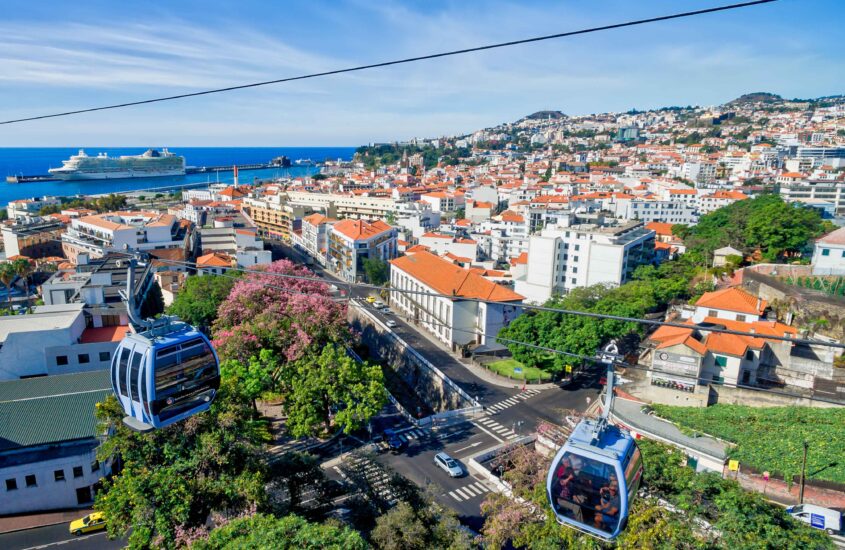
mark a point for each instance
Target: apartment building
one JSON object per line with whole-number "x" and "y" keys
{"x": 40, "y": 238}
{"x": 674, "y": 212}
{"x": 29, "y": 208}
{"x": 442, "y": 244}
{"x": 816, "y": 190}
{"x": 453, "y": 318}
{"x": 829, "y": 254}
{"x": 353, "y": 241}
{"x": 443, "y": 201}
{"x": 719, "y": 199}
{"x": 48, "y": 442}
{"x": 274, "y": 217}
{"x": 478, "y": 211}
{"x": 100, "y": 234}
{"x": 313, "y": 238}
{"x": 563, "y": 257}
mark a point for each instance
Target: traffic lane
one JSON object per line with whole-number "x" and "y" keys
{"x": 552, "y": 405}
{"x": 451, "y": 367}
{"x": 57, "y": 536}
{"x": 463, "y": 494}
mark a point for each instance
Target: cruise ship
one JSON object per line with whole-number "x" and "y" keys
{"x": 151, "y": 164}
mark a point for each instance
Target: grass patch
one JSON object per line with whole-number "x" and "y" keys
{"x": 770, "y": 438}
{"x": 505, "y": 367}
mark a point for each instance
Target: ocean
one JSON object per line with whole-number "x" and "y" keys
{"x": 37, "y": 160}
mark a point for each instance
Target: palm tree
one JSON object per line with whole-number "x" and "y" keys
{"x": 23, "y": 268}
{"x": 7, "y": 277}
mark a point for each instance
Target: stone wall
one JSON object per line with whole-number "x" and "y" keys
{"x": 436, "y": 391}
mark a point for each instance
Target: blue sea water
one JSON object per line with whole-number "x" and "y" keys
{"x": 32, "y": 161}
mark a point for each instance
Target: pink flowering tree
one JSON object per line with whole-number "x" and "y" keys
{"x": 285, "y": 315}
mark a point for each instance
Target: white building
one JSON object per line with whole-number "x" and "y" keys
{"x": 353, "y": 241}
{"x": 829, "y": 254}
{"x": 454, "y": 318}
{"x": 719, "y": 199}
{"x": 562, "y": 257}
{"x": 48, "y": 442}
{"x": 54, "y": 340}
{"x": 442, "y": 201}
{"x": 99, "y": 234}
{"x": 28, "y": 208}
{"x": 313, "y": 238}
{"x": 444, "y": 244}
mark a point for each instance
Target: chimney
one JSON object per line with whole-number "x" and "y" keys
{"x": 236, "y": 175}
{"x": 759, "y": 303}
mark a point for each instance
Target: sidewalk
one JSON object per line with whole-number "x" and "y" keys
{"x": 43, "y": 519}
{"x": 484, "y": 374}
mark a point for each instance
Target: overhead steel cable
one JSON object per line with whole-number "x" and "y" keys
{"x": 415, "y": 59}
{"x": 561, "y": 311}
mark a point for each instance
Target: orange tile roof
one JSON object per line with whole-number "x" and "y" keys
{"x": 481, "y": 204}
{"x": 735, "y": 195}
{"x": 360, "y": 229}
{"x": 103, "y": 334}
{"x": 662, "y": 229}
{"x": 682, "y": 191}
{"x": 732, "y": 299}
{"x": 522, "y": 259}
{"x": 511, "y": 216}
{"x": 447, "y": 278}
{"x": 214, "y": 259}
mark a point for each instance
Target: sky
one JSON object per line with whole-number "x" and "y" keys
{"x": 57, "y": 55}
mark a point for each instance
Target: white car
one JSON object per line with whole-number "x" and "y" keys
{"x": 448, "y": 464}
{"x": 391, "y": 323}
{"x": 378, "y": 304}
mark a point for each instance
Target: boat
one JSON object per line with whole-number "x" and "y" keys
{"x": 150, "y": 164}
{"x": 304, "y": 162}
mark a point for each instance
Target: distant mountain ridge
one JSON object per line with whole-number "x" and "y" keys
{"x": 756, "y": 97}
{"x": 544, "y": 115}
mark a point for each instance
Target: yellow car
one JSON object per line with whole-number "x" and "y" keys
{"x": 371, "y": 299}
{"x": 88, "y": 524}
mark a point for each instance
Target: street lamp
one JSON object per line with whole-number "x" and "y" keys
{"x": 803, "y": 475}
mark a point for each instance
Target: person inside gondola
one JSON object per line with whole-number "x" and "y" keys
{"x": 607, "y": 510}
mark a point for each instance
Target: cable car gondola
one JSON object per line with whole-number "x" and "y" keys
{"x": 595, "y": 475}
{"x": 164, "y": 374}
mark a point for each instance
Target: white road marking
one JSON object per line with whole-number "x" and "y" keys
{"x": 59, "y": 543}
{"x": 466, "y": 494}
{"x": 491, "y": 434}
{"x": 454, "y": 496}
{"x": 476, "y": 444}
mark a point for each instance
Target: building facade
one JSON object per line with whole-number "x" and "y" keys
{"x": 353, "y": 241}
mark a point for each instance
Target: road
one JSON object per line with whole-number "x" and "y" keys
{"x": 57, "y": 536}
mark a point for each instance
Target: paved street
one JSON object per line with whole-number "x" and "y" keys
{"x": 57, "y": 536}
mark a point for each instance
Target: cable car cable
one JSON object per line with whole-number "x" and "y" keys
{"x": 399, "y": 61}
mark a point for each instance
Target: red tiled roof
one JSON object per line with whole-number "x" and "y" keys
{"x": 103, "y": 334}
{"x": 360, "y": 229}
{"x": 449, "y": 279}
{"x": 732, "y": 299}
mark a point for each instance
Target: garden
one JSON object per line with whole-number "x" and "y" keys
{"x": 508, "y": 367}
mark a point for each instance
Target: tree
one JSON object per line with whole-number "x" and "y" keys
{"x": 173, "y": 479}
{"x": 429, "y": 526}
{"x": 287, "y": 316}
{"x": 377, "y": 270}
{"x": 255, "y": 375}
{"x": 199, "y": 298}
{"x": 23, "y": 268}
{"x": 153, "y": 304}
{"x": 330, "y": 386}
{"x": 7, "y": 277}
{"x": 287, "y": 533}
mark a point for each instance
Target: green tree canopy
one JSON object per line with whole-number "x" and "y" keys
{"x": 199, "y": 298}
{"x": 377, "y": 271}
{"x": 262, "y": 531}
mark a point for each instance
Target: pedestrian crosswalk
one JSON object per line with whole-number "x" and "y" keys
{"x": 374, "y": 475}
{"x": 470, "y": 491}
{"x": 491, "y": 425}
{"x": 511, "y": 401}
{"x": 414, "y": 433}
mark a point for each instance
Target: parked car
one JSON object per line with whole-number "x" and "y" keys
{"x": 818, "y": 517}
{"x": 394, "y": 443}
{"x": 88, "y": 524}
{"x": 391, "y": 323}
{"x": 448, "y": 465}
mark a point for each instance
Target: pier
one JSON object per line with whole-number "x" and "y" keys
{"x": 188, "y": 170}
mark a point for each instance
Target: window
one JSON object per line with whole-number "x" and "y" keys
{"x": 83, "y": 358}
{"x": 825, "y": 252}
{"x": 61, "y": 360}
{"x": 77, "y": 471}
{"x": 105, "y": 356}
{"x": 95, "y": 466}
{"x": 721, "y": 361}
{"x": 712, "y": 313}
{"x": 11, "y": 484}
{"x": 741, "y": 318}
{"x": 59, "y": 475}
{"x": 31, "y": 481}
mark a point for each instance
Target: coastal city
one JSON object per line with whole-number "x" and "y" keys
{"x": 622, "y": 329}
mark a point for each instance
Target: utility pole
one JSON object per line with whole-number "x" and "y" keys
{"x": 803, "y": 475}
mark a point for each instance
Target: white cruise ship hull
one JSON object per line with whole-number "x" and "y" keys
{"x": 74, "y": 176}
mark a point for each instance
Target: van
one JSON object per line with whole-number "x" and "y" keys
{"x": 816, "y": 516}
